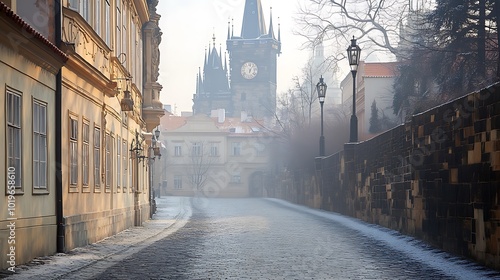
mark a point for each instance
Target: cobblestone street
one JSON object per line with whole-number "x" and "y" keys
{"x": 270, "y": 239}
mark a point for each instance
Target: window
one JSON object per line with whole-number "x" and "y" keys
{"x": 109, "y": 160}
{"x": 73, "y": 151}
{"x": 124, "y": 32}
{"x": 74, "y": 4}
{"x": 118, "y": 44}
{"x": 107, "y": 26}
{"x": 86, "y": 154}
{"x": 84, "y": 9}
{"x": 14, "y": 139}
{"x": 177, "y": 182}
{"x": 196, "y": 149}
{"x": 178, "y": 151}
{"x": 125, "y": 162}
{"x": 214, "y": 149}
{"x": 236, "y": 178}
{"x": 97, "y": 17}
{"x": 118, "y": 161}
{"x": 236, "y": 148}
{"x": 261, "y": 149}
{"x": 39, "y": 145}
{"x": 133, "y": 47}
{"x": 97, "y": 157}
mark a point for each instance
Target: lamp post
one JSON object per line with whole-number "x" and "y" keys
{"x": 321, "y": 89}
{"x": 353, "y": 52}
{"x": 153, "y": 153}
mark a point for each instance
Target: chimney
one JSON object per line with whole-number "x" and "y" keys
{"x": 244, "y": 116}
{"x": 221, "y": 115}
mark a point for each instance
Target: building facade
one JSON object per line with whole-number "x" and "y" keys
{"x": 29, "y": 63}
{"x": 213, "y": 156}
{"x": 252, "y": 70}
{"x": 81, "y": 98}
{"x": 110, "y": 103}
{"x": 374, "y": 82}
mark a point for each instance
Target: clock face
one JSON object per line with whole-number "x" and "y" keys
{"x": 249, "y": 70}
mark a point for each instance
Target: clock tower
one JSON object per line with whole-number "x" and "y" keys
{"x": 253, "y": 63}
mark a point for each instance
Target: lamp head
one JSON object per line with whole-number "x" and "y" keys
{"x": 321, "y": 88}
{"x": 353, "y": 53}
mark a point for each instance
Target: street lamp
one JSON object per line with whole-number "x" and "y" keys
{"x": 321, "y": 88}
{"x": 153, "y": 153}
{"x": 353, "y": 52}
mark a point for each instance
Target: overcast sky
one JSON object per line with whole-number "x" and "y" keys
{"x": 188, "y": 26}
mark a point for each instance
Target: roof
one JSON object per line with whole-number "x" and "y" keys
{"x": 380, "y": 69}
{"x": 5, "y": 10}
{"x": 170, "y": 122}
{"x": 233, "y": 126}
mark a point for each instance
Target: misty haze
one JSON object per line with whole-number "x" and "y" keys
{"x": 250, "y": 139}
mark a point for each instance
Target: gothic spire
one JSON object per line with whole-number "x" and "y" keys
{"x": 254, "y": 24}
{"x": 271, "y": 28}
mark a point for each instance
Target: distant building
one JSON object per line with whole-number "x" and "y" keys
{"x": 249, "y": 83}
{"x": 213, "y": 156}
{"x": 320, "y": 68}
{"x": 374, "y": 82}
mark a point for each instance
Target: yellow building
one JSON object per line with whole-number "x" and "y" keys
{"x": 76, "y": 136}
{"x": 213, "y": 156}
{"x": 110, "y": 100}
{"x": 29, "y": 63}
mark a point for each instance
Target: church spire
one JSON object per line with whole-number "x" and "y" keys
{"x": 254, "y": 24}
{"x": 271, "y": 28}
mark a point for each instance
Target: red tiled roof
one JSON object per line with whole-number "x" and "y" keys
{"x": 380, "y": 69}
{"x": 170, "y": 122}
{"x": 4, "y": 9}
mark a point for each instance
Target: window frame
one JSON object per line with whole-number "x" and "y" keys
{"x": 196, "y": 149}
{"x": 108, "y": 161}
{"x": 97, "y": 158}
{"x": 40, "y": 132}
{"x": 236, "y": 149}
{"x": 73, "y": 136}
{"x": 178, "y": 150}
{"x": 214, "y": 149}
{"x": 177, "y": 182}
{"x": 118, "y": 162}
{"x": 85, "y": 153}
{"x": 125, "y": 164}
{"x": 15, "y": 124}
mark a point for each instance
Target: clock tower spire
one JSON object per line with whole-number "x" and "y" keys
{"x": 253, "y": 64}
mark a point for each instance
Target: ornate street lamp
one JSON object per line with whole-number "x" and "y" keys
{"x": 321, "y": 89}
{"x": 353, "y": 53}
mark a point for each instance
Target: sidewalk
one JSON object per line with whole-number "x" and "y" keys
{"x": 86, "y": 262}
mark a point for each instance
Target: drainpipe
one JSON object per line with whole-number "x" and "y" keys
{"x": 58, "y": 141}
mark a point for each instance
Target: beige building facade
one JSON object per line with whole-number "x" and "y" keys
{"x": 212, "y": 157}
{"x": 29, "y": 63}
{"x": 110, "y": 102}
{"x": 80, "y": 100}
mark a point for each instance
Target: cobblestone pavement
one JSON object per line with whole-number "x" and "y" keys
{"x": 264, "y": 239}
{"x": 85, "y": 262}
{"x": 253, "y": 239}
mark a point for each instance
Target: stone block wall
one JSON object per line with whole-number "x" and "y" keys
{"x": 436, "y": 177}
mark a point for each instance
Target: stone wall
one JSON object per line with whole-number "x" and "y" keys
{"x": 437, "y": 177}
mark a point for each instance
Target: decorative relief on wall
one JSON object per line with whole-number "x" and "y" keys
{"x": 85, "y": 44}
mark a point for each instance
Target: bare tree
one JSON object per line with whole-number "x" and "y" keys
{"x": 203, "y": 158}
{"x": 375, "y": 23}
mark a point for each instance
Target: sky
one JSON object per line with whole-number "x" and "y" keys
{"x": 188, "y": 27}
